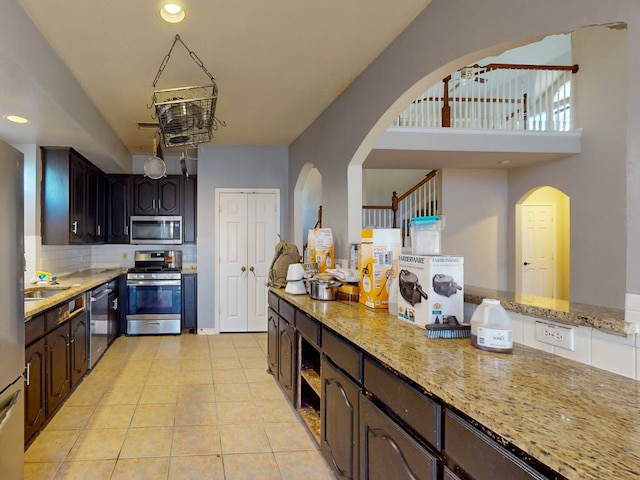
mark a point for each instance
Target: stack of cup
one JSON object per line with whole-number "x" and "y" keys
{"x": 295, "y": 279}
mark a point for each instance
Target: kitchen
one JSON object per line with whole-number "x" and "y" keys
{"x": 283, "y": 159}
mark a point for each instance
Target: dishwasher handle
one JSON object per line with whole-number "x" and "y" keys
{"x": 102, "y": 294}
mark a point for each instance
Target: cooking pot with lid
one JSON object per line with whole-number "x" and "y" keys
{"x": 410, "y": 289}
{"x": 323, "y": 289}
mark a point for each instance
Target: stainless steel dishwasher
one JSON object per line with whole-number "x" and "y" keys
{"x": 99, "y": 323}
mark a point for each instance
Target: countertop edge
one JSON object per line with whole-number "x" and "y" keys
{"x": 608, "y": 320}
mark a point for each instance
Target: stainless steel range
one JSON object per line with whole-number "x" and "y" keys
{"x": 154, "y": 295}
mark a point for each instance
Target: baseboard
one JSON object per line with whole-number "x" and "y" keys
{"x": 207, "y": 331}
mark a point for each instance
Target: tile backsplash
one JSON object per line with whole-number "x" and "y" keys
{"x": 64, "y": 259}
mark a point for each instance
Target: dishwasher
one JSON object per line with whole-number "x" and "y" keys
{"x": 98, "y": 323}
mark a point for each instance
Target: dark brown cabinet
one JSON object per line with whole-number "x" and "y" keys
{"x": 157, "y": 197}
{"x": 339, "y": 421}
{"x": 58, "y": 373}
{"x": 113, "y": 315}
{"x": 34, "y": 390}
{"x": 72, "y": 192}
{"x": 388, "y": 451}
{"x": 78, "y": 347}
{"x": 272, "y": 342}
{"x": 189, "y": 302}
{"x": 189, "y": 209}
{"x": 469, "y": 450}
{"x": 287, "y": 356}
{"x": 118, "y": 200}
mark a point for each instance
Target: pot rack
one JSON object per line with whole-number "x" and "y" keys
{"x": 186, "y": 115}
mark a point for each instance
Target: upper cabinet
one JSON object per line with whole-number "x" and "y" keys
{"x": 157, "y": 197}
{"x": 118, "y": 208}
{"x": 73, "y": 192}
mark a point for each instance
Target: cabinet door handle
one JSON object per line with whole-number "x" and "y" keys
{"x": 28, "y": 376}
{"x": 153, "y": 204}
{"x": 126, "y": 229}
{"x": 99, "y": 230}
{"x": 74, "y": 227}
{"x": 114, "y": 304}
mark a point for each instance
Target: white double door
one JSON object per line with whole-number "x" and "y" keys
{"x": 248, "y": 224}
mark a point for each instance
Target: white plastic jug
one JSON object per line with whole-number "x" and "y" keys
{"x": 491, "y": 327}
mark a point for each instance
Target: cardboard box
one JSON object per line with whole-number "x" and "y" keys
{"x": 320, "y": 248}
{"x": 431, "y": 288}
{"x": 378, "y": 262}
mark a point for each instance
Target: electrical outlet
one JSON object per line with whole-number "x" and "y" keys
{"x": 557, "y": 335}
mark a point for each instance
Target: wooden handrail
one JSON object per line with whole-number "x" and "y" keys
{"x": 524, "y": 66}
{"x": 428, "y": 177}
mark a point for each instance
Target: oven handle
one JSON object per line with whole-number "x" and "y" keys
{"x": 153, "y": 283}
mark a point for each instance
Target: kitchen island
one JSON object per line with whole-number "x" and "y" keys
{"x": 577, "y": 420}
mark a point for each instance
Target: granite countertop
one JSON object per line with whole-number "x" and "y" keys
{"x": 78, "y": 283}
{"x": 609, "y": 320}
{"x": 578, "y": 420}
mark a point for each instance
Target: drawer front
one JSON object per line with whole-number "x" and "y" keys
{"x": 389, "y": 452}
{"x": 272, "y": 299}
{"x": 308, "y": 327}
{"x": 416, "y": 409}
{"x": 287, "y": 312}
{"x": 153, "y": 327}
{"x": 342, "y": 354}
{"x": 34, "y": 329}
{"x": 479, "y": 456}
{"x": 56, "y": 316}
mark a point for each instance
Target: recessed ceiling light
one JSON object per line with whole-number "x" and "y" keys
{"x": 16, "y": 119}
{"x": 172, "y": 13}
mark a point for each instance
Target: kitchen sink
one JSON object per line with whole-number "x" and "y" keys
{"x": 40, "y": 293}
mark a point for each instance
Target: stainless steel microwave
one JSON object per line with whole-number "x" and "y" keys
{"x": 155, "y": 230}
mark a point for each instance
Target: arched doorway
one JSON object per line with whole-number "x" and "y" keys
{"x": 307, "y": 200}
{"x": 543, "y": 256}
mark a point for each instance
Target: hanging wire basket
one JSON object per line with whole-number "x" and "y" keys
{"x": 186, "y": 115}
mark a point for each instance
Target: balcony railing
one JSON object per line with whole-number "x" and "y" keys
{"x": 497, "y": 96}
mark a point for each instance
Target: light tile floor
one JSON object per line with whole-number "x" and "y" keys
{"x": 185, "y": 407}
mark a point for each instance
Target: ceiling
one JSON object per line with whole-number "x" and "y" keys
{"x": 277, "y": 64}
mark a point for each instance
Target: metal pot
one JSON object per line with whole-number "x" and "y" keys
{"x": 173, "y": 259}
{"x": 323, "y": 289}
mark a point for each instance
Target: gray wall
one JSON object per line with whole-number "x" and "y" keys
{"x": 231, "y": 167}
{"x": 354, "y": 121}
{"x": 595, "y": 180}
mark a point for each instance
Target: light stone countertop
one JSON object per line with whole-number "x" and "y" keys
{"x": 579, "y": 420}
{"x": 608, "y": 320}
{"x": 78, "y": 283}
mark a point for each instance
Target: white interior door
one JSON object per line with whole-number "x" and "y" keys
{"x": 538, "y": 250}
{"x": 248, "y": 224}
{"x": 261, "y": 242}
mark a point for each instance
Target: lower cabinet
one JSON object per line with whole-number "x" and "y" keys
{"x": 339, "y": 421}
{"x": 272, "y": 342}
{"x": 387, "y": 451}
{"x": 287, "y": 357}
{"x": 189, "y": 302}
{"x": 79, "y": 347}
{"x": 478, "y": 456}
{"x": 58, "y": 373}
{"x": 34, "y": 390}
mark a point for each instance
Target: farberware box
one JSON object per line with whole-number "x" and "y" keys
{"x": 431, "y": 288}
{"x": 377, "y": 262}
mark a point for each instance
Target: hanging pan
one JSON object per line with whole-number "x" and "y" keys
{"x": 183, "y": 162}
{"x": 154, "y": 167}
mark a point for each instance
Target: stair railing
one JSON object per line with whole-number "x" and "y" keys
{"x": 496, "y": 96}
{"x": 420, "y": 200}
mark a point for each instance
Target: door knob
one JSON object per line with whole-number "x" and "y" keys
{"x": 251, "y": 269}
{"x": 527, "y": 263}
{"x": 243, "y": 269}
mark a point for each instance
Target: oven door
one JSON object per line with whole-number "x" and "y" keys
{"x": 155, "y": 307}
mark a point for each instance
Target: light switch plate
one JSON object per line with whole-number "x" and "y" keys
{"x": 557, "y": 335}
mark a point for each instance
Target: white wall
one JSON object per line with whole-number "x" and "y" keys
{"x": 231, "y": 167}
{"x": 474, "y": 203}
